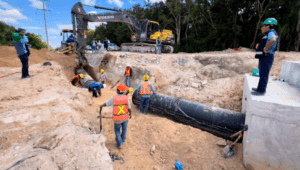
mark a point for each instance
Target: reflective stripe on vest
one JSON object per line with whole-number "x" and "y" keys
{"x": 127, "y": 70}
{"x": 77, "y": 79}
{"x": 120, "y": 109}
{"x": 263, "y": 42}
{"x": 145, "y": 89}
{"x": 103, "y": 77}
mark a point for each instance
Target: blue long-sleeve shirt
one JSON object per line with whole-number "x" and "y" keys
{"x": 20, "y": 46}
{"x": 146, "y": 96}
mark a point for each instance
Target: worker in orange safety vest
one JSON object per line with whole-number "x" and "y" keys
{"x": 121, "y": 113}
{"x": 76, "y": 79}
{"x": 102, "y": 77}
{"x": 128, "y": 75}
{"x": 145, "y": 90}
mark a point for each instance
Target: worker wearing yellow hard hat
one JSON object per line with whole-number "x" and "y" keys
{"x": 145, "y": 89}
{"x": 76, "y": 79}
{"x": 103, "y": 77}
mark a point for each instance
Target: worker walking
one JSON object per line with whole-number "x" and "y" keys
{"x": 158, "y": 45}
{"x": 96, "y": 88}
{"x": 102, "y": 77}
{"x": 145, "y": 90}
{"x": 19, "y": 41}
{"x": 121, "y": 113}
{"x": 128, "y": 75}
{"x": 265, "y": 53}
{"x": 76, "y": 80}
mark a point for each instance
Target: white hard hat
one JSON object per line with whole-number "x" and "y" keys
{"x": 104, "y": 85}
{"x": 128, "y": 64}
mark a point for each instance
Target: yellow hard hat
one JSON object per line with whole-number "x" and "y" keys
{"x": 146, "y": 77}
{"x": 81, "y": 76}
{"x": 130, "y": 90}
{"x": 102, "y": 71}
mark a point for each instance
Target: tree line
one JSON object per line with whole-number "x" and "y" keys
{"x": 213, "y": 25}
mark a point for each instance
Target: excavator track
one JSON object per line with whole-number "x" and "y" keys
{"x": 145, "y": 48}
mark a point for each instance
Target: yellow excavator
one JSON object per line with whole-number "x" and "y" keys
{"x": 145, "y": 32}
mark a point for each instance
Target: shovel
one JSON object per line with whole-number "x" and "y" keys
{"x": 227, "y": 152}
{"x": 100, "y": 121}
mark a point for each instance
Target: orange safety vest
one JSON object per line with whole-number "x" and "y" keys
{"x": 74, "y": 78}
{"x": 103, "y": 77}
{"x": 127, "y": 70}
{"x": 120, "y": 109}
{"x": 145, "y": 89}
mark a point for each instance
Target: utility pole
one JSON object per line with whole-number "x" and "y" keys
{"x": 44, "y": 9}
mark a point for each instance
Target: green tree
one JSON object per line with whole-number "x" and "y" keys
{"x": 36, "y": 42}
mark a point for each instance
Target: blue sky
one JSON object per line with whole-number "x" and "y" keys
{"x": 26, "y": 14}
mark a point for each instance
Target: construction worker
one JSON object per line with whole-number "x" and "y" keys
{"x": 106, "y": 42}
{"x": 121, "y": 108}
{"x": 158, "y": 45}
{"x": 76, "y": 80}
{"x": 102, "y": 77}
{"x": 145, "y": 90}
{"x": 96, "y": 87}
{"x": 94, "y": 45}
{"x": 128, "y": 75}
{"x": 71, "y": 38}
{"x": 19, "y": 41}
{"x": 265, "y": 53}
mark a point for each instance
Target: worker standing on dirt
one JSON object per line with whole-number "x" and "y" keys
{"x": 145, "y": 90}
{"x": 121, "y": 108}
{"x": 265, "y": 53}
{"x": 128, "y": 75}
{"x": 76, "y": 80}
{"x": 102, "y": 77}
{"x": 94, "y": 45}
{"x": 96, "y": 87}
{"x": 158, "y": 45}
{"x": 106, "y": 43}
{"x": 19, "y": 41}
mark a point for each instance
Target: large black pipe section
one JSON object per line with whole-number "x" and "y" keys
{"x": 220, "y": 122}
{"x": 87, "y": 84}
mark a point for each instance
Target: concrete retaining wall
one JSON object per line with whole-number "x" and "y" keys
{"x": 290, "y": 72}
{"x": 273, "y": 138}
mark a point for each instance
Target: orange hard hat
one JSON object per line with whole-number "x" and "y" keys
{"x": 121, "y": 87}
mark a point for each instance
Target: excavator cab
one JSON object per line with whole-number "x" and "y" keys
{"x": 150, "y": 31}
{"x": 67, "y": 44}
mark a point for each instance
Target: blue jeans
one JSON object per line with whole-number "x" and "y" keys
{"x": 128, "y": 81}
{"x": 93, "y": 49}
{"x": 159, "y": 49}
{"x": 24, "y": 60}
{"x": 120, "y": 138}
{"x": 265, "y": 65}
{"x": 95, "y": 90}
{"x": 146, "y": 101}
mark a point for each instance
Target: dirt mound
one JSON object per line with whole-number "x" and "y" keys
{"x": 9, "y": 58}
{"x": 43, "y": 121}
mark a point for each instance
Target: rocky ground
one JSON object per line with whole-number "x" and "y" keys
{"x": 46, "y": 123}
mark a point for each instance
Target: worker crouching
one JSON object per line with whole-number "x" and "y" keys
{"x": 121, "y": 113}
{"x": 76, "y": 80}
{"x": 96, "y": 88}
{"x": 145, "y": 90}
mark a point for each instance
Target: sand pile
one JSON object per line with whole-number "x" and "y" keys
{"x": 43, "y": 123}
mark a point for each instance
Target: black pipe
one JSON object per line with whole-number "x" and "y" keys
{"x": 220, "y": 122}
{"x": 87, "y": 84}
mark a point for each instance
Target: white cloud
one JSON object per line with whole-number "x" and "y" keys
{"x": 132, "y": 2}
{"x": 89, "y": 2}
{"x": 54, "y": 31}
{"x": 119, "y": 3}
{"x": 153, "y": 1}
{"x": 33, "y": 28}
{"x": 10, "y": 14}
{"x": 92, "y": 25}
{"x": 37, "y": 4}
{"x": 67, "y": 26}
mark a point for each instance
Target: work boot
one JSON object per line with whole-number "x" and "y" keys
{"x": 27, "y": 77}
{"x": 254, "y": 89}
{"x": 145, "y": 113}
{"x": 256, "y": 93}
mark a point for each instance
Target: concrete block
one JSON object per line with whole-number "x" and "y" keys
{"x": 273, "y": 137}
{"x": 290, "y": 72}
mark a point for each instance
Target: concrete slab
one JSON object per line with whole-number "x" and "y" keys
{"x": 273, "y": 137}
{"x": 290, "y": 72}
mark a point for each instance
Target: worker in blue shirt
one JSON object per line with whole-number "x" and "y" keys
{"x": 265, "y": 53}
{"x": 71, "y": 38}
{"x": 145, "y": 90}
{"x": 96, "y": 87}
{"x": 19, "y": 41}
{"x": 94, "y": 45}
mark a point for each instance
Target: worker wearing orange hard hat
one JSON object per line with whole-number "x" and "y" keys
{"x": 121, "y": 113}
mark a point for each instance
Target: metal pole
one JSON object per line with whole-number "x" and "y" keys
{"x": 46, "y": 26}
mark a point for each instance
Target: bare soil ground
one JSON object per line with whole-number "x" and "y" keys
{"x": 46, "y": 116}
